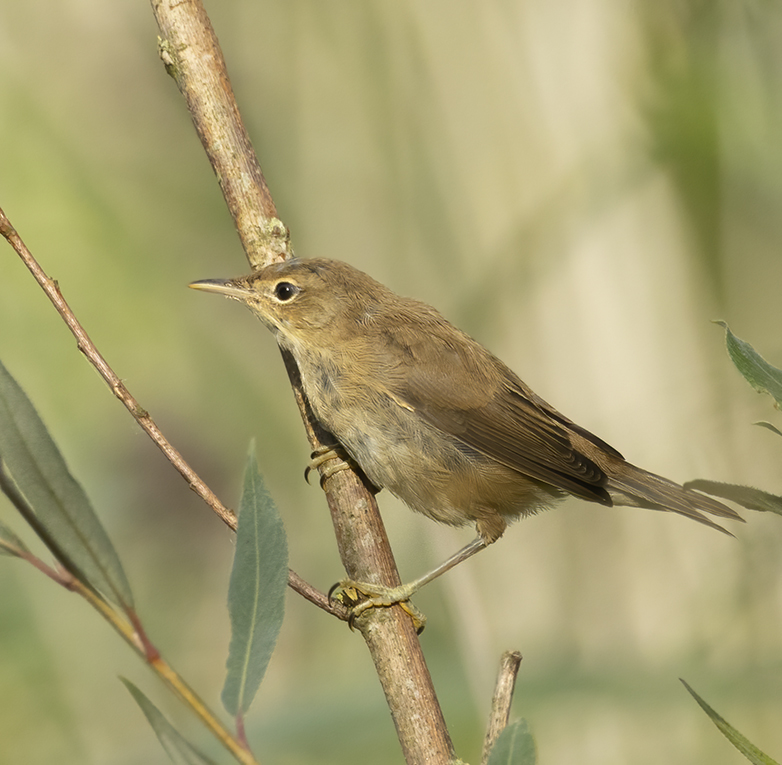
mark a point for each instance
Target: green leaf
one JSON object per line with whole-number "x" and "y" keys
{"x": 177, "y": 747}
{"x": 515, "y": 746}
{"x": 256, "y": 594}
{"x": 769, "y": 426}
{"x": 757, "y": 371}
{"x": 10, "y": 544}
{"x": 746, "y": 496}
{"x": 747, "y": 748}
{"x": 64, "y": 518}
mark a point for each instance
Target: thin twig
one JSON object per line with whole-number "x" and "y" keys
{"x": 87, "y": 347}
{"x": 501, "y": 701}
{"x": 315, "y": 596}
{"x": 166, "y": 673}
{"x": 118, "y": 388}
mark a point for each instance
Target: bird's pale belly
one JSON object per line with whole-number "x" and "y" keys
{"x": 430, "y": 471}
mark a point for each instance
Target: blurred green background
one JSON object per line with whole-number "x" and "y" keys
{"x": 581, "y": 186}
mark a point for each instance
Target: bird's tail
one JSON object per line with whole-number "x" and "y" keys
{"x": 637, "y": 488}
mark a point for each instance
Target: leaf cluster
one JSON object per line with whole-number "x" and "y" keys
{"x": 767, "y": 379}
{"x": 36, "y": 479}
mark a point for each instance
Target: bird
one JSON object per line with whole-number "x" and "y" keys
{"x": 432, "y": 416}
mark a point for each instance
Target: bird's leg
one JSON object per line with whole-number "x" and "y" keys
{"x": 380, "y": 596}
{"x": 324, "y": 454}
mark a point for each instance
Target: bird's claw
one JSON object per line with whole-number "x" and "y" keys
{"x": 324, "y": 454}
{"x": 360, "y": 597}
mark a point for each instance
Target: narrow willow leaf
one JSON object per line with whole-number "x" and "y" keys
{"x": 757, "y": 371}
{"x": 515, "y": 746}
{"x": 746, "y": 496}
{"x": 769, "y": 426}
{"x": 59, "y": 502}
{"x": 256, "y": 594}
{"x": 10, "y": 544}
{"x": 747, "y": 748}
{"x": 177, "y": 747}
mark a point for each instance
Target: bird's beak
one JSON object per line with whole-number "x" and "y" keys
{"x": 227, "y": 287}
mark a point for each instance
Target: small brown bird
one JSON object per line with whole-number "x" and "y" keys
{"x": 429, "y": 414}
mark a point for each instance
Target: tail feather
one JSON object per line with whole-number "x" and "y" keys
{"x": 637, "y": 488}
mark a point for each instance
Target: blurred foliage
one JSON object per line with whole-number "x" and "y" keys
{"x": 580, "y": 187}
{"x": 764, "y": 378}
{"x": 515, "y": 746}
{"x": 176, "y": 747}
{"x": 747, "y": 748}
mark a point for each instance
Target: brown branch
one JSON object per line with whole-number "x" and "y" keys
{"x": 389, "y": 634}
{"x": 192, "y": 56}
{"x": 501, "y": 701}
{"x": 132, "y": 635}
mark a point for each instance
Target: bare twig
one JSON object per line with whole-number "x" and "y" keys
{"x": 192, "y": 56}
{"x": 87, "y": 347}
{"x": 315, "y": 596}
{"x": 141, "y": 645}
{"x": 501, "y": 701}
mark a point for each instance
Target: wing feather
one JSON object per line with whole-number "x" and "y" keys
{"x": 473, "y": 397}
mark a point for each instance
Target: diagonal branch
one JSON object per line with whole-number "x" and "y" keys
{"x": 192, "y": 56}
{"x": 118, "y": 388}
{"x": 87, "y": 347}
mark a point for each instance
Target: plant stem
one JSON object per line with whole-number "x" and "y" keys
{"x": 192, "y": 56}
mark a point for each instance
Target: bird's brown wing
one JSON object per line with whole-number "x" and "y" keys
{"x": 464, "y": 391}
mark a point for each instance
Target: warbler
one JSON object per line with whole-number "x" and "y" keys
{"x": 430, "y": 415}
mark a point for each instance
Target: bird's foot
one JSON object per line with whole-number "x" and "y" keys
{"x": 324, "y": 454}
{"x": 359, "y": 597}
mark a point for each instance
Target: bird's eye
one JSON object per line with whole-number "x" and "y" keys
{"x": 285, "y": 291}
